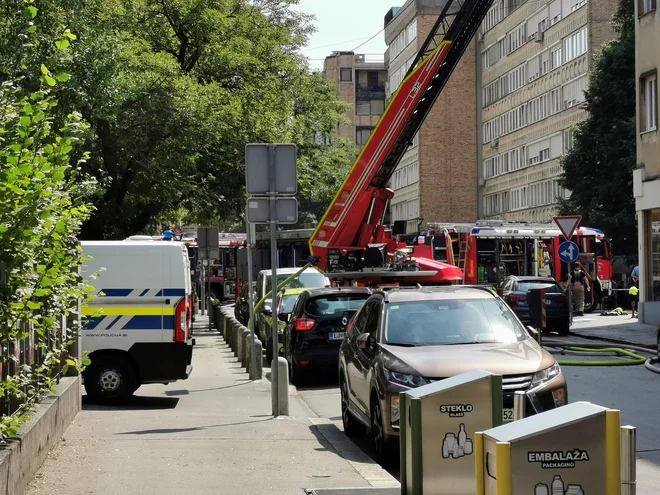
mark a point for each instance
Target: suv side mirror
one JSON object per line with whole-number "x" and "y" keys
{"x": 534, "y": 332}
{"x": 364, "y": 340}
{"x": 284, "y": 317}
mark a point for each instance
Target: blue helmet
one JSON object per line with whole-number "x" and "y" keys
{"x": 168, "y": 235}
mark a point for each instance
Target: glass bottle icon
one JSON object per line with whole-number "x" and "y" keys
{"x": 557, "y": 485}
{"x": 462, "y": 436}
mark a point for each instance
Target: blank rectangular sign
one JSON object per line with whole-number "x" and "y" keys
{"x": 208, "y": 237}
{"x": 257, "y": 168}
{"x": 258, "y": 210}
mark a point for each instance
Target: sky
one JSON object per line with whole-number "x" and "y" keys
{"x": 344, "y": 25}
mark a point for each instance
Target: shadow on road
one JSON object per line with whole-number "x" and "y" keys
{"x": 135, "y": 403}
{"x": 167, "y": 431}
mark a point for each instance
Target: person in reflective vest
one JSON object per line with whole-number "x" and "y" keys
{"x": 633, "y": 293}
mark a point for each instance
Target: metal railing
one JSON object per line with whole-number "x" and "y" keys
{"x": 32, "y": 352}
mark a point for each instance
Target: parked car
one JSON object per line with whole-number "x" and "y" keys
{"x": 514, "y": 292}
{"x": 286, "y": 300}
{"x": 407, "y": 337}
{"x": 242, "y": 307}
{"x": 309, "y": 278}
{"x": 317, "y": 326}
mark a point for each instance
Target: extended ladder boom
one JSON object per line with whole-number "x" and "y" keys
{"x": 355, "y": 216}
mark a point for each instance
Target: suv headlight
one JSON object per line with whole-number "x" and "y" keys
{"x": 545, "y": 375}
{"x": 407, "y": 380}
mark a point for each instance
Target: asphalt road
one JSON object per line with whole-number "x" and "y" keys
{"x": 632, "y": 389}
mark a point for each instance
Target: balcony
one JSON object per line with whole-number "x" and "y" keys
{"x": 370, "y": 91}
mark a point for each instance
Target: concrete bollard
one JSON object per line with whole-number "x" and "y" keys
{"x": 226, "y": 325}
{"x": 227, "y": 333}
{"x": 236, "y": 332}
{"x": 245, "y": 348}
{"x": 282, "y": 386}
{"x": 239, "y": 343}
{"x": 257, "y": 373}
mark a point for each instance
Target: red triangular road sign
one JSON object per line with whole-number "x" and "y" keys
{"x": 568, "y": 225}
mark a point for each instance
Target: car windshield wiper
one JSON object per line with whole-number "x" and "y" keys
{"x": 403, "y": 344}
{"x": 474, "y": 342}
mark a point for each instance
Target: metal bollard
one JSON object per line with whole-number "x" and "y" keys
{"x": 245, "y": 348}
{"x": 282, "y": 385}
{"x": 628, "y": 460}
{"x": 256, "y": 371}
{"x": 519, "y": 400}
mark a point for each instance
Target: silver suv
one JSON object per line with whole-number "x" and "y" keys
{"x": 408, "y": 337}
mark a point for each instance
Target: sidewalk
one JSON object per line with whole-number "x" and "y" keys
{"x": 623, "y": 329}
{"x": 211, "y": 434}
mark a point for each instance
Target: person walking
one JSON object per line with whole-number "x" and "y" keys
{"x": 633, "y": 294}
{"x": 580, "y": 284}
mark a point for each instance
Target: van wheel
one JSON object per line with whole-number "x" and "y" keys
{"x": 110, "y": 379}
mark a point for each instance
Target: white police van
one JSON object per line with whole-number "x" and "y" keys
{"x": 138, "y": 328}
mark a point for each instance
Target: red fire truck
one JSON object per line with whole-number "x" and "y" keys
{"x": 489, "y": 251}
{"x": 351, "y": 241}
{"x": 220, "y": 273}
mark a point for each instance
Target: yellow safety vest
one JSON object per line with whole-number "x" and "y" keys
{"x": 633, "y": 291}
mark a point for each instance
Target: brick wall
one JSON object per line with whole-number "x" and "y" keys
{"x": 448, "y": 144}
{"x": 599, "y": 14}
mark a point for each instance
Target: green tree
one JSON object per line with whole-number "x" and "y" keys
{"x": 173, "y": 90}
{"x": 44, "y": 199}
{"x": 598, "y": 169}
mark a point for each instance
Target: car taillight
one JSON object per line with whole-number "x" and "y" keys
{"x": 513, "y": 297}
{"x": 304, "y": 324}
{"x": 181, "y": 321}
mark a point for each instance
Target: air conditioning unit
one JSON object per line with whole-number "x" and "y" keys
{"x": 583, "y": 105}
{"x": 495, "y": 143}
{"x": 482, "y": 182}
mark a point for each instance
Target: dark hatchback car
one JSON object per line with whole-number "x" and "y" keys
{"x": 409, "y": 337}
{"x": 514, "y": 292}
{"x": 242, "y": 308}
{"x": 317, "y": 326}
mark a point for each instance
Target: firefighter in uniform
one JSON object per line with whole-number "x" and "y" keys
{"x": 580, "y": 284}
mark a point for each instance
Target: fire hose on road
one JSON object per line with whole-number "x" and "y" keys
{"x": 589, "y": 349}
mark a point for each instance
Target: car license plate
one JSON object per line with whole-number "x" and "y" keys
{"x": 507, "y": 415}
{"x": 336, "y": 335}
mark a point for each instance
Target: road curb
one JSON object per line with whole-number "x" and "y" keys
{"x": 372, "y": 472}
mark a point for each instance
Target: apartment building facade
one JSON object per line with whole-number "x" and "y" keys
{"x": 360, "y": 81}
{"x": 646, "y": 178}
{"x": 436, "y": 179}
{"x": 535, "y": 58}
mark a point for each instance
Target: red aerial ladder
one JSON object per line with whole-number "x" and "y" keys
{"x": 351, "y": 240}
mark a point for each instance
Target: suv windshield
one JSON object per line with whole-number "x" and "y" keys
{"x": 335, "y": 305}
{"x": 453, "y": 321}
{"x": 308, "y": 280}
{"x": 551, "y": 287}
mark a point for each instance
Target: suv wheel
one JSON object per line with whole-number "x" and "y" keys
{"x": 352, "y": 428}
{"x": 385, "y": 453}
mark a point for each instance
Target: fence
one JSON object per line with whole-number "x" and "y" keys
{"x": 33, "y": 352}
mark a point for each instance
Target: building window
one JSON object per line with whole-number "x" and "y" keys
{"x": 575, "y": 45}
{"x": 362, "y": 135}
{"x": 648, "y": 104}
{"x": 645, "y": 6}
{"x": 346, "y": 74}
